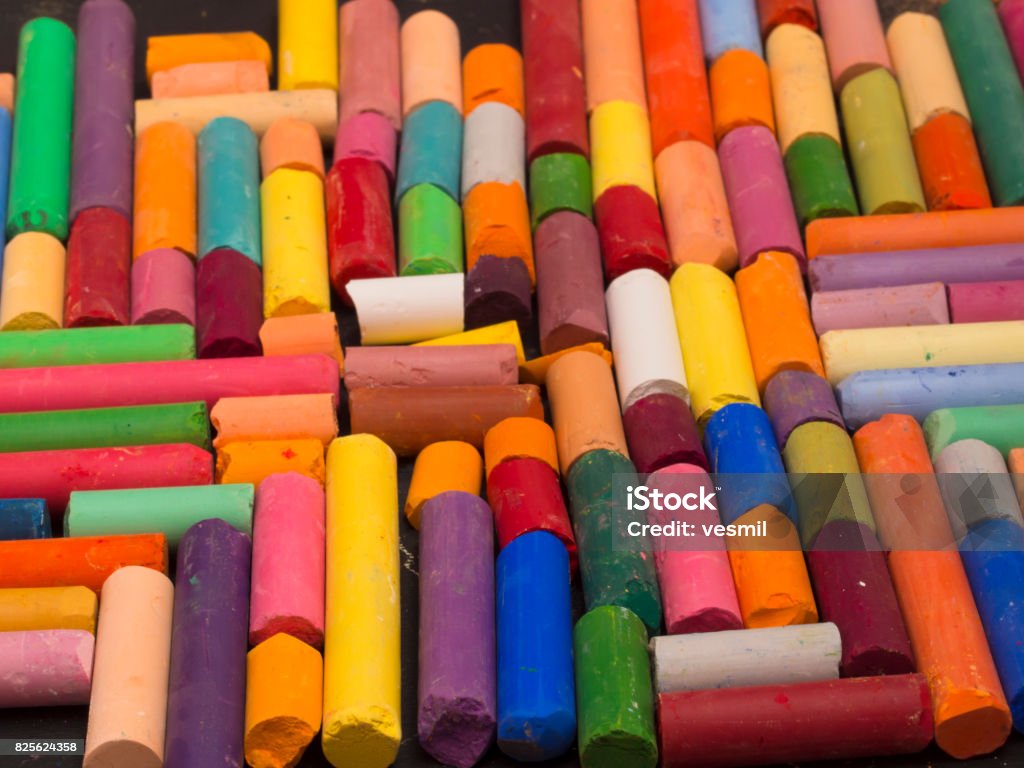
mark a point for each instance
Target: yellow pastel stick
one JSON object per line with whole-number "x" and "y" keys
{"x": 253, "y": 461}
{"x": 362, "y": 662}
{"x": 294, "y": 244}
{"x": 25, "y": 610}
{"x": 620, "y": 142}
{"x": 711, "y": 335}
{"x": 307, "y": 44}
{"x": 499, "y": 333}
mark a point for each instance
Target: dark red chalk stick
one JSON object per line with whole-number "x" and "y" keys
{"x": 97, "y": 287}
{"x": 498, "y": 289}
{"x": 229, "y": 305}
{"x": 660, "y": 431}
{"x": 631, "y": 232}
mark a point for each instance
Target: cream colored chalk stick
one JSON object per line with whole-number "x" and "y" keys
{"x": 801, "y": 85}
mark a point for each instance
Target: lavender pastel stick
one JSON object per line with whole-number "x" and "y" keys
{"x": 793, "y": 398}
{"x": 206, "y": 695}
{"x": 457, "y": 686}
{"x": 102, "y": 149}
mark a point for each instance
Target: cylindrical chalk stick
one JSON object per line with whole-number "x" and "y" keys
{"x": 741, "y": 93}
{"x": 288, "y": 560}
{"x": 165, "y": 189}
{"x": 497, "y": 222}
{"x": 5, "y": 167}
{"x": 763, "y": 216}
{"x": 430, "y": 366}
{"x": 694, "y": 205}
{"x": 714, "y": 345}
{"x": 277, "y": 417}
{"x": 45, "y": 668}
{"x": 429, "y": 232}
{"x": 7, "y": 91}
{"x": 307, "y": 55}
{"x": 302, "y": 335}
{"x": 924, "y": 67}
{"x": 432, "y": 306}
{"x": 559, "y": 182}
{"x": 922, "y": 304}
{"x": 99, "y": 258}
{"x": 949, "y": 164}
{"x": 616, "y": 570}
{"x": 229, "y": 180}
{"x": 24, "y": 519}
{"x": 570, "y": 288}
{"x": 101, "y": 155}
{"x": 33, "y": 283}
{"x": 1012, "y": 16}
{"x": 854, "y": 39}
{"x": 492, "y": 72}
{"x": 457, "y": 708}
{"x": 493, "y": 148}
{"x": 166, "y": 51}
{"x": 648, "y": 358}
{"x": 229, "y": 304}
{"x": 40, "y": 180}
{"x": 556, "y": 106}
{"x": 369, "y": 57}
{"x": 958, "y": 467}
{"x": 746, "y": 658}
{"x": 536, "y": 701}
{"x": 431, "y": 61}
{"x": 612, "y": 58}
{"x": 996, "y": 425}
{"x": 519, "y": 438}
{"x": 369, "y": 136}
{"x": 128, "y": 706}
{"x": 211, "y": 78}
{"x": 613, "y": 681}
{"x": 30, "y": 609}
{"x": 660, "y": 431}
{"x": 431, "y": 150}
{"x": 819, "y": 179}
{"x": 801, "y": 88}
{"x": 163, "y": 288}
{"x": 362, "y": 669}
{"x": 255, "y": 460}
{"x": 793, "y": 398}
{"x": 447, "y": 465}
{"x": 727, "y": 25}
{"x": 621, "y": 147}
{"x": 206, "y": 691}
{"x": 771, "y": 13}
{"x": 631, "y": 233}
{"x": 498, "y": 290}
{"x": 986, "y": 302}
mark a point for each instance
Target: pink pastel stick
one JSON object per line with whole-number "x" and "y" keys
{"x": 986, "y": 302}
{"x": 45, "y": 668}
{"x": 368, "y": 135}
{"x": 890, "y": 307}
{"x": 163, "y": 288}
{"x": 1012, "y": 14}
{"x": 288, "y": 560}
{"x": 697, "y": 590}
{"x": 854, "y": 38}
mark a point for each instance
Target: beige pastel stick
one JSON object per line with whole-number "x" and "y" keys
{"x": 33, "y": 283}
{"x": 431, "y": 61}
{"x": 924, "y": 68}
{"x": 128, "y": 705}
{"x": 212, "y": 78}
{"x": 801, "y": 85}
{"x": 275, "y": 417}
{"x": 612, "y": 61}
{"x": 853, "y": 38}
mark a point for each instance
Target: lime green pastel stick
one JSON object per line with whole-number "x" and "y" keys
{"x": 86, "y": 346}
{"x": 170, "y": 511}
{"x": 41, "y": 148}
{"x": 119, "y": 427}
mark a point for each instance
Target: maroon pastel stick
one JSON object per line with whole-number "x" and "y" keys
{"x": 632, "y": 235}
{"x": 660, "y": 431}
{"x": 97, "y": 287}
{"x": 497, "y": 289}
{"x": 229, "y": 305}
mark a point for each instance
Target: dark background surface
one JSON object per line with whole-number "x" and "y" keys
{"x": 480, "y": 21}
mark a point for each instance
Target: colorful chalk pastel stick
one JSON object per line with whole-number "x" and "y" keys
{"x": 771, "y": 13}
{"x": 988, "y": 302}
{"x": 275, "y": 417}
{"x": 431, "y": 151}
{"x": 163, "y": 288}
{"x": 24, "y": 519}
{"x": 1012, "y": 18}
{"x": 448, "y": 465}
{"x": 520, "y": 439}
{"x": 211, "y": 78}
{"x": 631, "y": 232}
{"x": 97, "y": 283}
{"x": 307, "y": 55}
{"x": 819, "y": 179}
{"x": 170, "y": 511}
{"x": 492, "y": 72}
{"x": 498, "y": 289}
{"x": 229, "y": 305}
{"x": 745, "y": 658}
{"x": 661, "y": 431}
{"x": 741, "y": 93}
{"x": 854, "y": 39}
{"x": 48, "y": 608}
{"x": 536, "y": 694}
{"x": 493, "y": 147}
{"x": 182, "y": 381}
{"x": 918, "y": 392}
{"x": 303, "y": 335}
{"x": 6, "y": 130}
{"x": 457, "y": 709}
{"x": 229, "y": 179}
{"x": 431, "y": 61}
{"x": 165, "y": 52}
{"x": 368, "y": 52}
{"x": 34, "y": 272}
{"x": 480, "y": 365}
{"x": 429, "y": 231}
{"x": 729, "y": 25}
{"x": 886, "y": 307}
{"x": 794, "y": 398}
{"x": 206, "y": 689}
{"x": 165, "y": 189}
{"x": 86, "y": 346}
{"x": 559, "y": 182}
{"x": 612, "y": 59}
{"x": 998, "y": 425}
{"x": 291, "y": 143}
{"x": 961, "y": 464}
{"x": 433, "y": 307}
{"x": 45, "y": 668}
{"x": 497, "y": 221}
{"x": 253, "y": 461}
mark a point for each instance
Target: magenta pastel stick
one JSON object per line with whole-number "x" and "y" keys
{"x": 288, "y": 560}
{"x": 899, "y": 305}
{"x": 1011, "y": 12}
{"x": 45, "y": 668}
{"x": 229, "y": 305}
{"x": 163, "y": 288}
{"x": 370, "y": 136}
{"x": 986, "y": 302}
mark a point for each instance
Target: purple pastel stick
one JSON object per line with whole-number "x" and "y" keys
{"x": 206, "y": 695}
{"x": 971, "y": 264}
{"x": 793, "y": 398}
{"x": 369, "y": 135}
{"x": 103, "y": 144}
{"x": 763, "y": 217}
{"x": 888, "y": 307}
{"x": 497, "y": 289}
{"x": 457, "y": 686}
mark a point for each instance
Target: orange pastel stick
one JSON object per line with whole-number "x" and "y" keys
{"x": 970, "y": 711}
{"x": 492, "y": 72}
{"x": 951, "y": 171}
{"x": 165, "y": 52}
{"x": 741, "y": 92}
{"x": 776, "y": 317}
{"x": 165, "y": 189}
{"x": 84, "y": 561}
{"x": 253, "y": 461}
{"x": 520, "y": 437}
{"x": 497, "y": 222}
{"x": 677, "y": 83}
{"x": 1016, "y": 464}
{"x": 775, "y": 12}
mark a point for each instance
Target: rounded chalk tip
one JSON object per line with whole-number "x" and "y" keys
{"x": 122, "y": 752}
{"x": 535, "y": 736}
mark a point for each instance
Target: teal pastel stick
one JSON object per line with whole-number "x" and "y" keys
{"x": 431, "y": 150}
{"x": 229, "y": 188}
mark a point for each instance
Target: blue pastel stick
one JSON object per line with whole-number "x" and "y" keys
{"x": 229, "y": 188}
{"x": 431, "y": 151}
{"x": 726, "y": 25}
{"x": 868, "y": 395}
{"x": 5, "y": 177}
{"x": 993, "y": 558}
{"x": 24, "y": 519}
{"x": 745, "y": 459}
{"x": 536, "y": 689}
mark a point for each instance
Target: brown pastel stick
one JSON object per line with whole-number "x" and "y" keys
{"x": 409, "y": 419}
{"x": 492, "y": 72}
{"x": 475, "y": 365}
{"x": 211, "y": 79}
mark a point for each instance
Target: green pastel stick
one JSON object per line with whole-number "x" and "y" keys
{"x": 1001, "y": 426}
{"x": 41, "y": 146}
{"x": 880, "y": 149}
{"x": 614, "y": 700}
{"x": 429, "y": 232}
{"x": 105, "y": 427}
{"x": 170, "y": 511}
{"x": 993, "y": 91}
{"x": 559, "y": 182}
{"x": 818, "y": 179}
{"x": 615, "y": 569}
{"x": 87, "y": 346}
